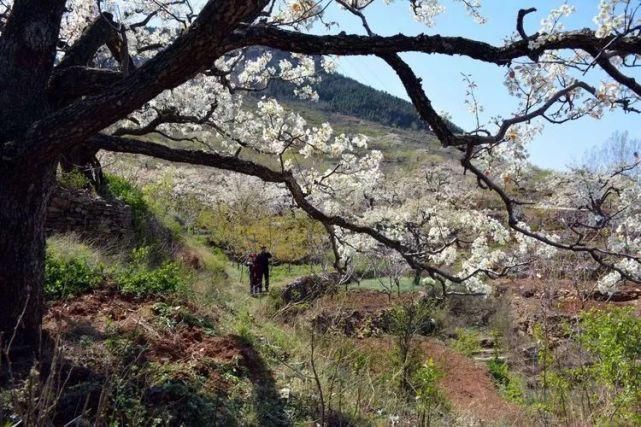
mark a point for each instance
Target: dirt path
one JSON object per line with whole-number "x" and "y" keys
{"x": 469, "y": 387}
{"x": 467, "y": 384}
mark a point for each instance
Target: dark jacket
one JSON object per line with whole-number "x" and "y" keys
{"x": 262, "y": 260}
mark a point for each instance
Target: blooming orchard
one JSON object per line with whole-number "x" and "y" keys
{"x": 433, "y": 217}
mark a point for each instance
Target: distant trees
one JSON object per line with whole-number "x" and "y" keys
{"x": 619, "y": 150}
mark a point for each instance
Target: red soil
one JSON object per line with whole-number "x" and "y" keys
{"x": 467, "y": 384}
{"x": 103, "y": 312}
{"x": 469, "y": 387}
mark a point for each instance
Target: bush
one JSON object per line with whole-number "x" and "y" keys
{"x": 406, "y": 321}
{"x": 73, "y": 179}
{"x": 510, "y": 385}
{"x": 122, "y": 189}
{"x": 66, "y": 278}
{"x": 143, "y": 281}
{"x": 140, "y": 279}
{"x": 613, "y": 338}
{"x": 467, "y": 342}
{"x": 429, "y": 397}
{"x": 71, "y": 267}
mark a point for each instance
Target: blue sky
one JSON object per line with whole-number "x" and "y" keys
{"x": 557, "y": 147}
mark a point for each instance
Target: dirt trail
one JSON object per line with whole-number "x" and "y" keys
{"x": 469, "y": 387}
{"x": 467, "y": 384}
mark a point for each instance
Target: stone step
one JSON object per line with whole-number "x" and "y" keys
{"x": 485, "y": 351}
{"x": 486, "y": 359}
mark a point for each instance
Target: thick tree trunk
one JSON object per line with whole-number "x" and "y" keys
{"x": 23, "y": 201}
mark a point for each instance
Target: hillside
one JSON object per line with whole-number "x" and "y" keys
{"x": 343, "y": 95}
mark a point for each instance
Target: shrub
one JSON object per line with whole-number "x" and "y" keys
{"x": 73, "y": 179}
{"x": 68, "y": 278}
{"x": 429, "y": 397}
{"x": 124, "y": 190}
{"x": 243, "y": 326}
{"x": 71, "y": 268}
{"x": 143, "y": 281}
{"x": 467, "y": 342}
{"x": 613, "y": 338}
{"x": 510, "y": 385}
{"x": 170, "y": 316}
{"x": 406, "y": 321}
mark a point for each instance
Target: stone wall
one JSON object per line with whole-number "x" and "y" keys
{"x": 86, "y": 213}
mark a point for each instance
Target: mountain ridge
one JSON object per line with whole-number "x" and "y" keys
{"x": 344, "y": 95}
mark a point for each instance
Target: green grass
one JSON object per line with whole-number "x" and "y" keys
{"x": 407, "y": 284}
{"x": 281, "y": 275}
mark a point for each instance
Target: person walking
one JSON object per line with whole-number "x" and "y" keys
{"x": 254, "y": 277}
{"x": 262, "y": 263}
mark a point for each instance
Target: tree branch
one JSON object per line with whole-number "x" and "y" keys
{"x": 351, "y": 44}
{"x": 85, "y": 48}
{"x": 77, "y": 81}
{"x": 188, "y": 55}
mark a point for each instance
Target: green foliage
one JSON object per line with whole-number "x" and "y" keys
{"x": 167, "y": 278}
{"x": 65, "y": 278}
{"x": 141, "y": 280}
{"x": 406, "y": 321}
{"x": 343, "y": 95}
{"x": 285, "y": 273}
{"x": 510, "y": 385}
{"x": 124, "y": 190}
{"x": 243, "y": 228}
{"x": 173, "y": 315}
{"x": 406, "y": 283}
{"x": 499, "y": 371}
{"x": 274, "y": 300}
{"x": 73, "y": 179}
{"x": 606, "y": 388}
{"x": 244, "y": 326}
{"x": 150, "y": 226}
{"x": 613, "y": 337}
{"x": 429, "y": 396}
{"x": 166, "y": 207}
{"x": 71, "y": 268}
{"x": 467, "y": 341}
{"x": 191, "y": 407}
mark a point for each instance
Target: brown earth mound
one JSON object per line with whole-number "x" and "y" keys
{"x": 106, "y": 313}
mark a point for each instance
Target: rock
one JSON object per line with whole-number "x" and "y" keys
{"x": 284, "y": 393}
{"x": 487, "y": 342}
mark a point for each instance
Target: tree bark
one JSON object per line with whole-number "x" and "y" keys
{"x": 23, "y": 201}
{"x": 27, "y": 53}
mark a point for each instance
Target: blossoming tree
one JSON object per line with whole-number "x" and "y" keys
{"x": 78, "y": 76}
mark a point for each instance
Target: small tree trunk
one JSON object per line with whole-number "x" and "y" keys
{"x": 23, "y": 200}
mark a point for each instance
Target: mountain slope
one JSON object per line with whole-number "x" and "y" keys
{"x": 343, "y": 95}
